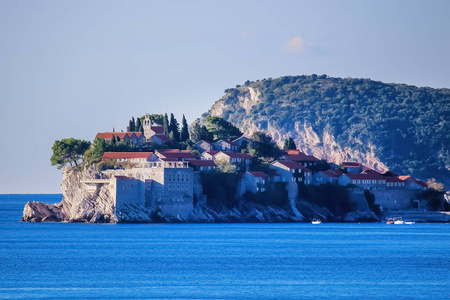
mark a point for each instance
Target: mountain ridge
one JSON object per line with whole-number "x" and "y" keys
{"x": 384, "y": 125}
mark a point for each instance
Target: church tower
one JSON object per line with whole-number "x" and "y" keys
{"x": 147, "y": 126}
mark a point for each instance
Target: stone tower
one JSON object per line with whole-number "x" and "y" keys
{"x": 147, "y": 125}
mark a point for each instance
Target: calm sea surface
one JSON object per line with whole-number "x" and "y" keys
{"x": 226, "y": 261}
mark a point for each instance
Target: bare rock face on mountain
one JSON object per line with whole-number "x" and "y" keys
{"x": 385, "y": 126}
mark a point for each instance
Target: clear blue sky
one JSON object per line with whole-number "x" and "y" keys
{"x": 74, "y": 68}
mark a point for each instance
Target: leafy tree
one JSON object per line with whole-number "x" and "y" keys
{"x": 95, "y": 153}
{"x": 225, "y": 167}
{"x": 157, "y": 119}
{"x": 166, "y": 124}
{"x": 200, "y": 133}
{"x": 289, "y": 144}
{"x": 263, "y": 146}
{"x": 432, "y": 184}
{"x": 222, "y": 129}
{"x": 68, "y": 151}
{"x": 174, "y": 128}
{"x": 184, "y": 130}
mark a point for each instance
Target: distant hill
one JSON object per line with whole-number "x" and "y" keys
{"x": 401, "y": 127}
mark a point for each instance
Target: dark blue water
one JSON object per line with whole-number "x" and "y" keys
{"x": 232, "y": 261}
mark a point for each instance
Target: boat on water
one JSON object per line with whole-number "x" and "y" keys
{"x": 316, "y": 221}
{"x": 398, "y": 221}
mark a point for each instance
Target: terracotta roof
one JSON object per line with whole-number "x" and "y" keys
{"x": 301, "y": 157}
{"x": 235, "y": 155}
{"x": 167, "y": 150}
{"x": 109, "y": 135}
{"x": 350, "y": 164}
{"x": 420, "y": 182}
{"x": 158, "y": 129}
{"x": 127, "y": 155}
{"x": 392, "y": 179}
{"x": 258, "y": 174}
{"x": 404, "y": 177}
{"x": 333, "y": 173}
{"x": 292, "y": 152}
{"x": 202, "y": 163}
{"x": 390, "y": 173}
{"x": 292, "y": 165}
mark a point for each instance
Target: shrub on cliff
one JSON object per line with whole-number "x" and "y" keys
{"x": 220, "y": 188}
{"x": 332, "y": 196}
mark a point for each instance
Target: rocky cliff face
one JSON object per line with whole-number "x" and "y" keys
{"x": 323, "y": 145}
{"x": 79, "y": 205}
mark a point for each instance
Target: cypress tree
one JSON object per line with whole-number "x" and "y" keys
{"x": 138, "y": 125}
{"x": 184, "y": 136}
{"x": 113, "y": 140}
{"x": 289, "y": 144}
{"x": 132, "y": 125}
{"x": 166, "y": 124}
{"x": 174, "y": 127}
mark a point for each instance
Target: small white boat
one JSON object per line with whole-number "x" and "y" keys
{"x": 316, "y": 221}
{"x": 410, "y": 223}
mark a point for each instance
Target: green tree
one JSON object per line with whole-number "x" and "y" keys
{"x": 184, "y": 130}
{"x": 95, "y": 153}
{"x": 68, "y": 151}
{"x": 222, "y": 129}
{"x": 174, "y": 128}
{"x": 138, "y": 126}
{"x": 157, "y": 119}
{"x": 289, "y": 144}
{"x": 264, "y": 146}
{"x": 166, "y": 124}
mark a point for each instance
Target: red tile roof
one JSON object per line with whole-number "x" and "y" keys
{"x": 202, "y": 163}
{"x": 122, "y": 135}
{"x": 180, "y": 155}
{"x": 333, "y": 173}
{"x": 158, "y": 129}
{"x": 350, "y": 164}
{"x": 111, "y": 155}
{"x": 301, "y": 157}
{"x": 392, "y": 179}
{"x": 292, "y": 165}
{"x": 404, "y": 177}
{"x": 258, "y": 174}
{"x": 421, "y": 183}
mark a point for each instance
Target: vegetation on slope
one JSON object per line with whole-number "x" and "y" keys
{"x": 410, "y": 126}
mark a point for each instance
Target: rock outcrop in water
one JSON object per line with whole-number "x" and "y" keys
{"x": 80, "y": 205}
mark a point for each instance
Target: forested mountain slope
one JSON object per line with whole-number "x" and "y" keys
{"x": 401, "y": 127}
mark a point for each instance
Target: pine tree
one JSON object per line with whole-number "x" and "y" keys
{"x": 184, "y": 136}
{"x": 132, "y": 125}
{"x": 138, "y": 125}
{"x": 174, "y": 127}
{"x": 289, "y": 144}
{"x": 166, "y": 124}
{"x": 114, "y": 130}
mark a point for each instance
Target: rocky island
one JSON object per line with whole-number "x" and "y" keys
{"x": 214, "y": 172}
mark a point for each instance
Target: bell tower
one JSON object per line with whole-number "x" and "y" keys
{"x": 147, "y": 126}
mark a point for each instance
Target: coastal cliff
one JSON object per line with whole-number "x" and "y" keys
{"x": 81, "y": 205}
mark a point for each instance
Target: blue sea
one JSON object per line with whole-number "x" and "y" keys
{"x": 219, "y": 261}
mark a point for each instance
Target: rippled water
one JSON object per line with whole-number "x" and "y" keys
{"x": 235, "y": 261}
